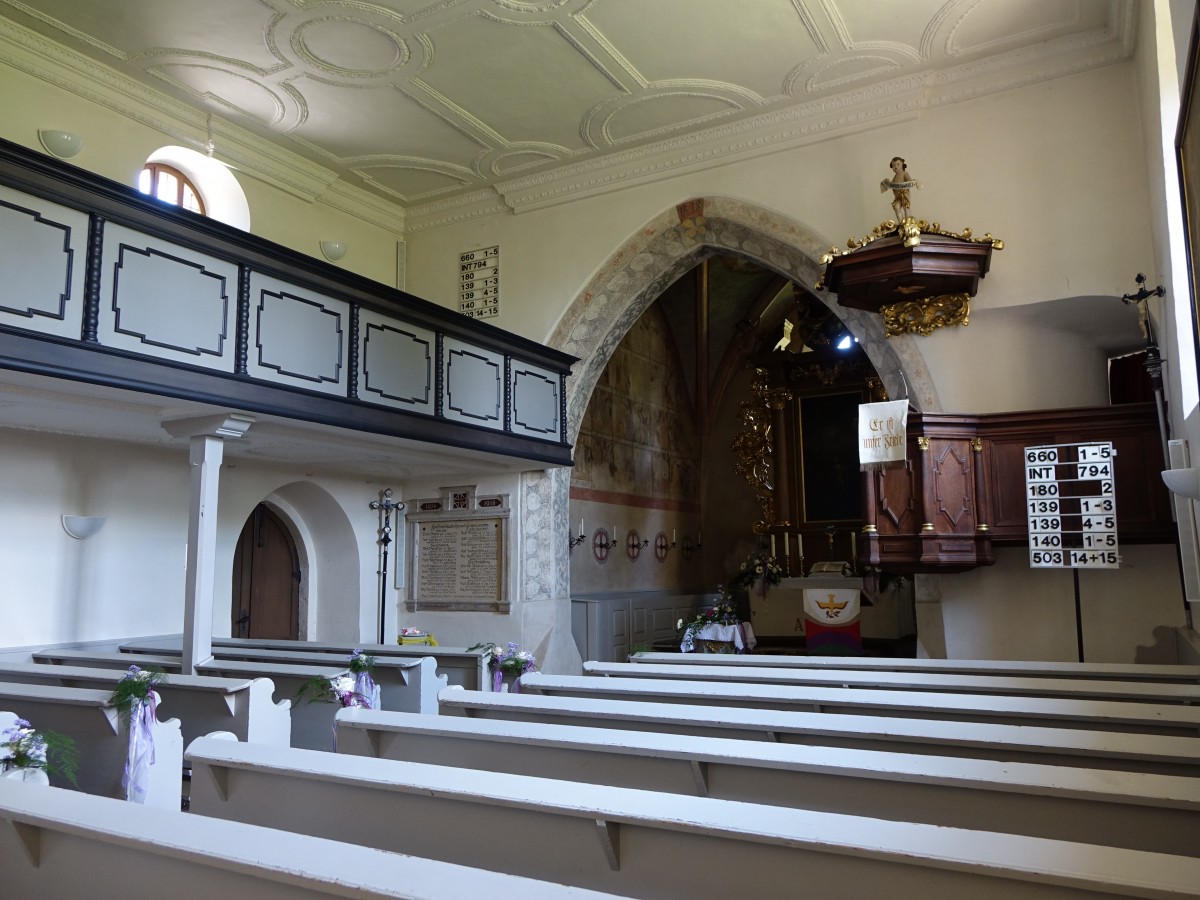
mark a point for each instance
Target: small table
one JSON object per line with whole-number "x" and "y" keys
{"x": 718, "y": 639}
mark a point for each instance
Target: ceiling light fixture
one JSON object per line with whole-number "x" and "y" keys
{"x": 333, "y": 250}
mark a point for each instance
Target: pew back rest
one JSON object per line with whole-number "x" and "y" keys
{"x": 201, "y": 857}
{"x": 1182, "y": 674}
{"x": 1107, "y": 689}
{"x": 1098, "y": 714}
{"x": 108, "y": 660}
{"x": 647, "y": 843}
{"x": 1164, "y": 754}
{"x": 86, "y": 717}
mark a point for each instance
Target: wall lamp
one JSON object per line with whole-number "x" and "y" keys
{"x": 82, "y": 527}
{"x": 62, "y": 144}
{"x": 333, "y": 250}
{"x": 1183, "y": 482}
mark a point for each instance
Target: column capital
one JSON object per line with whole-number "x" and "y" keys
{"x": 221, "y": 425}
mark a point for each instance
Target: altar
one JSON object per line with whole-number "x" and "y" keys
{"x": 737, "y": 638}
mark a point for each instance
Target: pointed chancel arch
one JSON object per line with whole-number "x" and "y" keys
{"x": 673, "y": 242}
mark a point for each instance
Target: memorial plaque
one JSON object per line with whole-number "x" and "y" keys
{"x": 458, "y": 550}
{"x": 459, "y": 561}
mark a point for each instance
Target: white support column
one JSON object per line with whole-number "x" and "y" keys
{"x": 207, "y": 449}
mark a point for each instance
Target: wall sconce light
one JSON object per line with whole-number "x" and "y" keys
{"x": 333, "y": 250}
{"x": 82, "y": 527}
{"x": 1183, "y": 482}
{"x": 576, "y": 540}
{"x": 62, "y": 144}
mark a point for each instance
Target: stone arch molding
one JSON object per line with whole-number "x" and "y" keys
{"x": 630, "y": 280}
{"x": 673, "y": 242}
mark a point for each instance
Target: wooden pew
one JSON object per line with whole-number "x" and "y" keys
{"x": 1134, "y": 810}
{"x": 649, "y": 844}
{"x": 64, "y": 845}
{"x": 312, "y": 724}
{"x": 202, "y": 703}
{"x": 1160, "y": 754}
{"x": 1108, "y": 689}
{"x": 102, "y": 739}
{"x": 405, "y": 685}
{"x": 1177, "y": 674}
{"x": 1094, "y": 715}
{"x": 101, "y": 659}
{"x": 462, "y": 667}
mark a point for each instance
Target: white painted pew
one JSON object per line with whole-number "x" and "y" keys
{"x": 462, "y": 667}
{"x": 63, "y": 845}
{"x": 100, "y": 659}
{"x": 1096, "y": 715}
{"x": 1108, "y": 689}
{"x": 1161, "y": 754}
{"x": 1142, "y": 812}
{"x": 649, "y": 844}
{"x": 1030, "y": 669}
{"x": 202, "y": 703}
{"x": 312, "y": 724}
{"x": 86, "y": 717}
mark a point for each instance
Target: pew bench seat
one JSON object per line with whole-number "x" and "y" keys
{"x": 202, "y": 703}
{"x": 1180, "y": 674}
{"x": 1161, "y": 754}
{"x": 1096, "y": 715}
{"x": 649, "y": 844}
{"x": 56, "y": 844}
{"x": 1120, "y": 809}
{"x": 101, "y": 737}
{"x": 1014, "y": 685}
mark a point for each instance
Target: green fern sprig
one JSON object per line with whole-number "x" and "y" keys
{"x": 135, "y": 688}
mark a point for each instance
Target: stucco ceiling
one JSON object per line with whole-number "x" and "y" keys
{"x": 429, "y": 103}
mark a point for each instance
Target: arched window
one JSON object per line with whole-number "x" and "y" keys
{"x": 171, "y": 186}
{"x": 184, "y": 177}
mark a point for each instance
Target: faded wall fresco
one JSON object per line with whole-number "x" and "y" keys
{"x": 638, "y": 437}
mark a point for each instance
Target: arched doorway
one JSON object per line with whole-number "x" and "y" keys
{"x": 266, "y": 579}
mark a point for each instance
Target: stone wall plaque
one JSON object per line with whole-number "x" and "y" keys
{"x": 459, "y": 548}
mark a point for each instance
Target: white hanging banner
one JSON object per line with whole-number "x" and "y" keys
{"x": 832, "y": 606}
{"x": 882, "y": 433}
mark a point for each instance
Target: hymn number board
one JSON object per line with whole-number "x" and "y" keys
{"x": 1071, "y": 499}
{"x": 479, "y": 283}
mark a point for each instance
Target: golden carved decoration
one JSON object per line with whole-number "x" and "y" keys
{"x": 875, "y": 386}
{"x": 752, "y": 447}
{"x": 870, "y": 529}
{"x": 977, "y": 444}
{"x": 927, "y": 527}
{"x": 923, "y": 444}
{"x": 981, "y": 527}
{"x": 923, "y": 316}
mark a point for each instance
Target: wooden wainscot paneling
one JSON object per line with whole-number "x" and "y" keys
{"x": 1143, "y": 504}
{"x": 962, "y": 488}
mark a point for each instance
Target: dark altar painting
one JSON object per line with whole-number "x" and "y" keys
{"x": 1187, "y": 148}
{"x": 832, "y": 486}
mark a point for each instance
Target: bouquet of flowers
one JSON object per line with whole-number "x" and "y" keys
{"x": 722, "y": 612}
{"x": 135, "y": 701}
{"x": 758, "y": 566}
{"x": 135, "y": 689}
{"x": 509, "y": 661}
{"x": 24, "y": 747}
{"x": 355, "y": 687}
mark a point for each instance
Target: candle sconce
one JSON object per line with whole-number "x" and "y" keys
{"x": 634, "y": 543}
{"x": 601, "y": 545}
{"x": 689, "y": 549}
{"x": 662, "y": 546}
{"x": 576, "y": 540}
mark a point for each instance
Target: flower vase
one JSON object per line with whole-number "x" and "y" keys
{"x": 27, "y": 774}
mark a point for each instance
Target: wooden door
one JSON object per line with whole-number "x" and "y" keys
{"x": 266, "y": 579}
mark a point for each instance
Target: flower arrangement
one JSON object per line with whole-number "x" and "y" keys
{"x": 134, "y": 689}
{"x": 759, "y": 565}
{"x": 24, "y": 747}
{"x": 354, "y": 688}
{"x": 509, "y": 661}
{"x": 722, "y": 612}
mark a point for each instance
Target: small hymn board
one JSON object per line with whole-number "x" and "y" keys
{"x": 479, "y": 283}
{"x": 1071, "y": 499}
